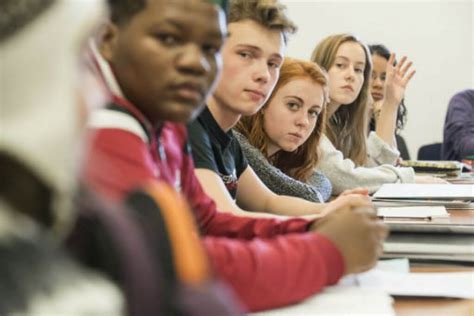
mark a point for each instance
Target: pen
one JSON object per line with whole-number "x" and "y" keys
{"x": 406, "y": 218}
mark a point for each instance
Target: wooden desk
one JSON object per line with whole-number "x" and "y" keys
{"x": 435, "y": 306}
{"x": 461, "y": 217}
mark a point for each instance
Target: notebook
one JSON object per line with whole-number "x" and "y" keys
{"x": 411, "y": 191}
{"x": 436, "y": 168}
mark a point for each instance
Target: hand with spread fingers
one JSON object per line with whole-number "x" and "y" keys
{"x": 357, "y": 233}
{"x": 396, "y": 80}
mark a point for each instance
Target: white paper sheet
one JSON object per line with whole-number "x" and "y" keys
{"x": 347, "y": 297}
{"x": 413, "y": 212}
{"x": 368, "y": 293}
{"x": 425, "y": 191}
{"x": 447, "y": 284}
{"x": 340, "y": 300}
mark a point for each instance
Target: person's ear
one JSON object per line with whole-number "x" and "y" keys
{"x": 108, "y": 39}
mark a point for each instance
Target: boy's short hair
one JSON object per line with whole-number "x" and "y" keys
{"x": 15, "y": 14}
{"x": 121, "y": 11}
{"x": 269, "y": 13}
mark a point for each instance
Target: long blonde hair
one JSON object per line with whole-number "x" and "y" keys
{"x": 347, "y": 127}
{"x": 300, "y": 163}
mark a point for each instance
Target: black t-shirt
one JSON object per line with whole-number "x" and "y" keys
{"x": 216, "y": 150}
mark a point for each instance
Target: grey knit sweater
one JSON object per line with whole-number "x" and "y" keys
{"x": 344, "y": 175}
{"x": 318, "y": 188}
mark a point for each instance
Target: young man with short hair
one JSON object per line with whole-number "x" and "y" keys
{"x": 252, "y": 55}
{"x": 161, "y": 60}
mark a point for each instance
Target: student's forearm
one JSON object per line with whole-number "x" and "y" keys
{"x": 386, "y": 124}
{"x": 234, "y": 209}
{"x": 241, "y": 213}
{"x": 292, "y": 206}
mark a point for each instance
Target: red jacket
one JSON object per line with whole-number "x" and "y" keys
{"x": 268, "y": 262}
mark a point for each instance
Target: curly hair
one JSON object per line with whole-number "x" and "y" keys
{"x": 300, "y": 163}
{"x": 269, "y": 13}
{"x": 121, "y": 11}
{"x": 347, "y": 127}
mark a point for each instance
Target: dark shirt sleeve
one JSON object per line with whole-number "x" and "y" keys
{"x": 459, "y": 127}
{"x": 201, "y": 147}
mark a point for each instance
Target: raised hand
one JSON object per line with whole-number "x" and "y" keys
{"x": 396, "y": 80}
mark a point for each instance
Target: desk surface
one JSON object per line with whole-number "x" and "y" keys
{"x": 460, "y": 217}
{"x": 435, "y": 306}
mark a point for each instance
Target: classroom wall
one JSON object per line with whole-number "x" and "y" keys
{"x": 437, "y": 35}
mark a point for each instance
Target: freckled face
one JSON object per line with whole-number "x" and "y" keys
{"x": 290, "y": 117}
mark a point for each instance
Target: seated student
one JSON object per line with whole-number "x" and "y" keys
{"x": 348, "y": 158}
{"x": 380, "y": 57}
{"x": 38, "y": 129}
{"x": 38, "y": 274}
{"x": 458, "y": 135}
{"x": 165, "y": 60}
{"x": 279, "y": 140}
{"x": 252, "y": 56}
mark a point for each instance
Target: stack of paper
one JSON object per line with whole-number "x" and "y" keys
{"x": 451, "y": 247}
{"x": 434, "y": 168}
{"x": 405, "y": 194}
{"x": 426, "y": 191}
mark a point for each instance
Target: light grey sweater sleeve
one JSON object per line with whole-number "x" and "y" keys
{"x": 318, "y": 188}
{"x": 379, "y": 152}
{"x": 344, "y": 175}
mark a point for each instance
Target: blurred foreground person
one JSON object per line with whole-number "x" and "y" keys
{"x": 40, "y": 124}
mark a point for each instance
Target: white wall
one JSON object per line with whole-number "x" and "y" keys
{"x": 437, "y": 35}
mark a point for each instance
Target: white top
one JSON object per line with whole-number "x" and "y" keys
{"x": 344, "y": 175}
